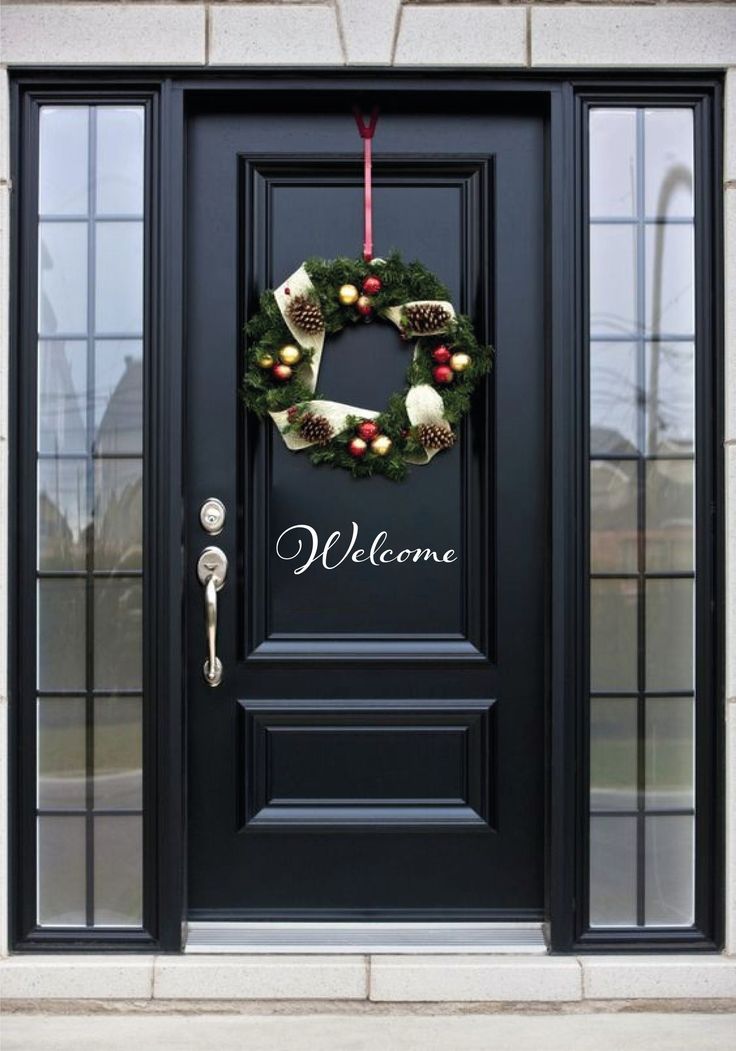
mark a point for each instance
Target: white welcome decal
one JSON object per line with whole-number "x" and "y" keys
{"x": 301, "y": 542}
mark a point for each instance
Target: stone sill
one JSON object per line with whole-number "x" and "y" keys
{"x": 177, "y": 981}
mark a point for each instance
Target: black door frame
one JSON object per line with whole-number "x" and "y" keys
{"x": 168, "y": 97}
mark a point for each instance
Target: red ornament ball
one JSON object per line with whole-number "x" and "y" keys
{"x": 443, "y": 374}
{"x": 281, "y": 372}
{"x": 441, "y": 354}
{"x": 357, "y": 448}
{"x": 372, "y": 285}
{"x": 364, "y": 306}
{"x": 367, "y": 430}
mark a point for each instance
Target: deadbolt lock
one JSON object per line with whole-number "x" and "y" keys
{"x": 212, "y": 515}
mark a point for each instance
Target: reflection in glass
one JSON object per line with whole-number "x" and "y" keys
{"x": 669, "y": 879}
{"x": 669, "y": 753}
{"x": 613, "y": 644}
{"x": 119, "y": 278}
{"x": 61, "y": 871}
{"x": 669, "y": 628}
{"x": 613, "y": 753}
{"x": 669, "y": 280}
{"x": 119, "y": 182}
{"x": 62, "y": 397}
{"x": 62, "y": 278}
{"x": 615, "y": 398}
{"x": 669, "y": 516}
{"x": 61, "y": 634}
{"x": 63, "y": 172}
{"x": 670, "y": 378}
{"x": 118, "y": 774}
{"x": 118, "y": 871}
{"x": 612, "y": 871}
{"x": 614, "y": 535}
{"x": 63, "y": 515}
{"x": 118, "y": 634}
{"x": 668, "y": 162}
{"x": 118, "y": 514}
{"x": 612, "y": 162}
{"x": 613, "y": 280}
{"x": 118, "y": 397}
{"x": 61, "y": 753}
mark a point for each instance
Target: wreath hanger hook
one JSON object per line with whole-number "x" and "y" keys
{"x": 366, "y": 130}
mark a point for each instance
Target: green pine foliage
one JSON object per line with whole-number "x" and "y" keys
{"x": 402, "y": 283}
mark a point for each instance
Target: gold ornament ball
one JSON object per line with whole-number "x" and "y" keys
{"x": 381, "y": 445}
{"x": 290, "y": 355}
{"x": 348, "y": 295}
{"x": 460, "y": 362}
{"x": 265, "y": 361}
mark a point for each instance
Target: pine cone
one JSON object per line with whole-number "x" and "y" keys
{"x": 436, "y": 436}
{"x": 317, "y": 429}
{"x": 424, "y": 318}
{"x": 306, "y": 314}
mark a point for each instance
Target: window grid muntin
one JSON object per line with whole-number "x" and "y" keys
{"x": 642, "y": 339}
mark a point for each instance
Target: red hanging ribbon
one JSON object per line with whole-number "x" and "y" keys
{"x": 366, "y": 131}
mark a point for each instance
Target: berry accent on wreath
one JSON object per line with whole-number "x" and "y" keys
{"x": 436, "y": 436}
{"x": 426, "y": 317}
{"x": 306, "y": 314}
{"x": 372, "y": 285}
{"x": 367, "y": 430}
{"x": 443, "y": 374}
{"x": 292, "y": 414}
{"x": 317, "y": 429}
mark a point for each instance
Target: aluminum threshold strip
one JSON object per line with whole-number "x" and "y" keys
{"x": 217, "y": 937}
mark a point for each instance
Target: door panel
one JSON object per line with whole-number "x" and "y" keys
{"x": 376, "y": 746}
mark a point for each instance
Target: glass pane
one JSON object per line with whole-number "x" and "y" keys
{"x": 669, "y": 871}
{"x": 118, "y": 634}
{"x": 613, "y": 753}
{"x": 668, "y": 272}
{"x": 668, "y": 164}
{"x": 669, "y": 753}
{"x": 61, "y": 753}
{"x": 62, "y": 278}
{"x": 669, "y": 516}
{"x": 612, "y": 871}
{"x": 669, "y": 629}
{"x": 61, "y": 871}
{"x": 118, "y": 757}
{"x": 61, "y": 635}
{"x": 613, "y": 649}
{"x": 120, "y": 160}
{"x": 612, "y": 162}
{"x": 613, "y": 521}
{"x": 62, "y": 396}
{"x": 62, "y": 514}
{"x": 615, "y": 398}
{"x": 613, "y": 280}
{"x": 63, "y": 170}
{"x": 118, "y": 514}
{"x": 119, "y": 279}
{"x": 118, "y": 871}
{"x": 670, "y": 370}
{"x": 118, "y": 396}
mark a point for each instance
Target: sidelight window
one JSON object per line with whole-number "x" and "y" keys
{"x": 89, "y": 516}
{"x": 642, "y": 551}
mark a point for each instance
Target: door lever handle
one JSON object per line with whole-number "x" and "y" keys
{"x": 212, "y": 571}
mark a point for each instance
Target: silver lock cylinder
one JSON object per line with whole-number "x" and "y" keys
{"x": 212, "y": 516}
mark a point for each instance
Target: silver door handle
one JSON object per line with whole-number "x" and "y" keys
{"x": 211, "y": 571}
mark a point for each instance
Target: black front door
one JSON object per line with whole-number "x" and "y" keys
{"x": 376, "y": 746}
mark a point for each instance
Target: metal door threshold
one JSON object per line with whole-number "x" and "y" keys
{"x": 217, "y": 937}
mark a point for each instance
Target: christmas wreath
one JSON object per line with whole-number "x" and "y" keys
{"x": 286, "y": 338}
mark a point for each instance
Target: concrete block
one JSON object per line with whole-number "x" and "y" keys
{"x": 368, "y": 30}
{"x": 274, "y": 34}
{"x": 658, "y": 977}
{"x": 474, "y": 978}
{"x": 260, "y": 978}
{"x": 677, "y": 36}
{"x": 93, "y": 977}
{"x": 462, "y": 35}
{"x": 103, "y": 34}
